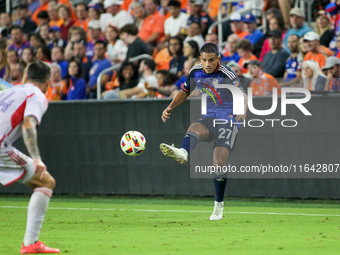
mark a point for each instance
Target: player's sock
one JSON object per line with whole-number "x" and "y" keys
{"x": 189, "y": 141}
{"x": 35, "y": 214}
{"x": 220, "y": 185}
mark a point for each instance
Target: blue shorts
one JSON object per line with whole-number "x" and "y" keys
{"x": 223, "y": 134}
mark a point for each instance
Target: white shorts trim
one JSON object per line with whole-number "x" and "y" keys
{"x": 15, "y": 167}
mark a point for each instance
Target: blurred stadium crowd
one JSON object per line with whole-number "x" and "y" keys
{"x": 81, "y": 40}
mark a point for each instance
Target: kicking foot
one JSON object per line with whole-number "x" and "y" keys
{"x": 37, "y": 247}
{"x": 180, "y": 155}
{"x": 218, "y": 211}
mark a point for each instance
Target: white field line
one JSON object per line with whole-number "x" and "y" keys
{"x": 175, "y": 211}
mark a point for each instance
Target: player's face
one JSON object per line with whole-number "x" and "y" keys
{"x": 209, "y": 62}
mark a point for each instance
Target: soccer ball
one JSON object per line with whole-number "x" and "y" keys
{"x": 133, "y": 143}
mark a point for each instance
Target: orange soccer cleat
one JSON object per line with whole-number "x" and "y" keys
{"x": 37, "y": 247}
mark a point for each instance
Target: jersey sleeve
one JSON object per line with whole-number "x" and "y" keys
{"x": 190, "y": 84}
{"x": 36, "y": 106}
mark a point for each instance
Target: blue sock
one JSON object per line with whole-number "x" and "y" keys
{"x": 189, "y": 141}
{"x": 220, "y": 185}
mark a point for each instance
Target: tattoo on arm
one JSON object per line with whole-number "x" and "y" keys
{"x": 29, "y": 134}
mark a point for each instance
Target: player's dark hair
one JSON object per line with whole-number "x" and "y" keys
{"x": 244, "y": 45}
{"x": 150, "y": 64}
{"x": 131, "y": 29}
{"x": 210, "y": 48}
{"x": 38, "y": 72}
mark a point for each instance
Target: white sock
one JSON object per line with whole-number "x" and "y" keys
{"x": 35, "y": 214}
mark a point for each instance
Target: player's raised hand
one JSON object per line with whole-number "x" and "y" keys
{"x": 166, "y": 114}
{"x": 40, "y": 167}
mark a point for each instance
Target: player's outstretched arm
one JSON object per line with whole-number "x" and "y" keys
{"x": 29, "y": 134}
{"x": 179, "y": 99}
{"x": 242, "y": 117}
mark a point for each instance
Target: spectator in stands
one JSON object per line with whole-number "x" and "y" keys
{"x": 315, "y": 52}
{"x": 57, "y": 89}
{"x": 116, "y": 48}
{"x": 237, "y": 25}
{"x": 262, "y": 83}
{"x": 100, "y": 63}
{"x": 274, "y": 61}
{"x": 127, "y": 78}
{"x": 230, "y": 51}
{"x": 254, "y": 34}
{"x": 33, "y": 5}
{"x": 212, "y": 38}
{"x": 194, "y": 34}
{"x": 18, "y": 41}
{"x": 24, "y": 21}
{"x": 79, "y": 53}
{"x": 332, "y": 69}
{"x": 44, "y": 33}
{"x": 94, "y": 12}
{"x": 42, "y": 19}
{"x": 43, "y": 7}
{"x": 302, "y": 47}
{"x": 43, "y": 53}
{"x": 297, "y": 21}
{"x": 198, "y": 15}
{"x": 57, "y": 55}
{"x": 163, "y": 8}
{"x": 75, "y": 83}
{"x": 146, "y": 84}
{"x": 172, "y": 91}
{"x": 244, "y": 49}
{"x": 191, "y": 50}
{"x": 274, "y": 23}
{"x": 293, "y": 67}
{"x": 175, "y": 25}
{"x": 52, "y": 11}
{"x": 166, "y": 83}
{"x": 285, "y": 7}
{"x": 65, "y": 14}
{"x": 115, "y": 14}
{"x": 55, "y": 38}
{"x": 152, "y": 30}
{"x": 323, "y": 28}
{"x": 333, "y": 9}
{"x": 95, "y": 32}
{"x": 138, "y": 14}
{"x": 237, "y": 69}
{"x": 312, "y": 77}
{"x": 75, "y": 34}
{"x": 81, "y": 12}
{"x": 16, "y": 73}
{"x": 136, "y": 47}
{"x": 27, "y": 56}
{"x": 3, "y": 64}
{"x": 12, "y": 57}
{"x": 35, "y": 40}
{"x": 6, "y": 22}
{"x": 176, "y": 51}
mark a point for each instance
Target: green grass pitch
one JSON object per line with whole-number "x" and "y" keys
{"x": 165, "y": 225}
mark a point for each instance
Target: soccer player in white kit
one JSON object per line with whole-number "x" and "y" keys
{"x": 21, "y": 110}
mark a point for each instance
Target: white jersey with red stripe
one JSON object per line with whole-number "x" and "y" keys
{"x": 16, "y": 104}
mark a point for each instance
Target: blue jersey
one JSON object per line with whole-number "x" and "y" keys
{"x": 219, "y": 100}
{"x": 293, "y": 65}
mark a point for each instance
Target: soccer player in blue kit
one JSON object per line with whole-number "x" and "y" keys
{"x": 206, "y": 76}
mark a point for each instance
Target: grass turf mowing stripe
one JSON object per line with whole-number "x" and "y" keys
{"x": 178, "y": 211}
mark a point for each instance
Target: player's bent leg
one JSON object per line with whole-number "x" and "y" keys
{"x": 220, "y": 157}
{"x": 196, "y": 132}
{"x": 43, "y": 189}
